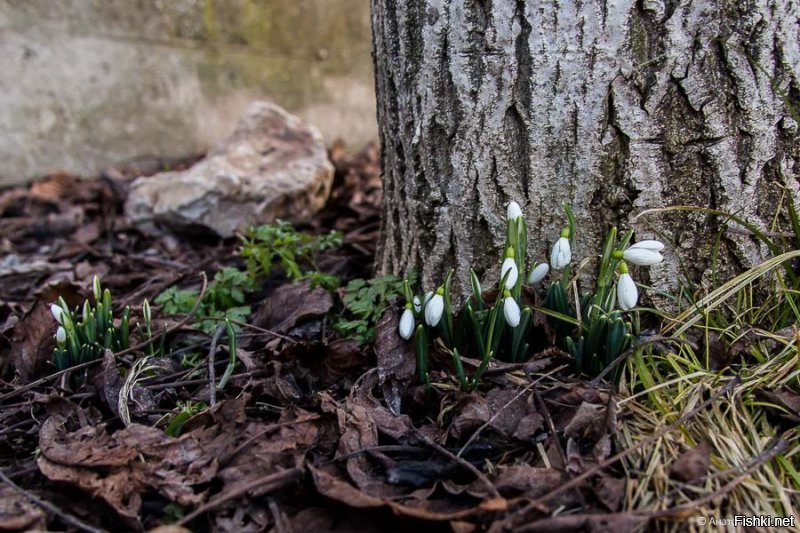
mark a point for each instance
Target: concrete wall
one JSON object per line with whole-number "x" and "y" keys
{"x": 86, "y": 83}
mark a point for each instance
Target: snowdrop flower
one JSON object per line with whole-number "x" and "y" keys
{"x": 58, "y": 313}
{"x": 650, "y": 244}
{"x": 538, "y": 273}
{"x": 511, "y": 310}
{"x": 417, "y": 304}
{"x": 627, "y": 293}
{"x": 435, "y": 308}
{"x": 510, "y": 266}
{"x": 407, "y": 323}
{"x": 642, "y": 256}
{"x": 514, "y": 212}
{"x": 642, "y": 253}
{"x": 61, "y": 336}
{"x": 562, "y": 254}
{"x": 428, "y": 296}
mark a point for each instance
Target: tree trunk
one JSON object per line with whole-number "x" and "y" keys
{"x": 614, "y": 106}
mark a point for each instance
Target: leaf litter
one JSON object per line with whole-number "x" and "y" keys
{"x": 313, "y": 431}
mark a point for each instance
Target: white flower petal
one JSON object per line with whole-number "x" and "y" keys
{"x": 57, "y": 312}
{"x": 650, "y": 244}
{"x": 514, "y": 212}
{"x": 538, "y": 273}
{"x": 428, "y": 296}
{"x": 417, "y": 304}
{"x": 627, "y": 293}
{"x": 61, "y": 335}
{"x": 562, "y": 254}
{"x": 511, "y": 311}
{"x": 642, "y": 256}
{"x": 509, "y": 265}
{"x": 406, "y": 328}
{"x": 434, "y": 310}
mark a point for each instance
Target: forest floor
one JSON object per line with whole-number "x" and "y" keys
{"x": 322, "y": 425}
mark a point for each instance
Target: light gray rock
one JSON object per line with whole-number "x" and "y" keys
{"x": 273, "y": 166}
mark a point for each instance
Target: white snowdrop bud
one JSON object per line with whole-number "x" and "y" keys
{"x": 57, "y": 312}
{"x": 511, "y": 311}
{"x": 538, "y": 273}
{"x": 642, "y": 256}
{"x": 627, "y": 293}
{"x": 562, "y": 254}
{"x": 61, "y": 336}
{"x": 649, "y": 244}
{"x": 514, "y": 212}
{"x": 434, "y": 309}
{"x": 417, "y": 304}
{"x": 407, "y": 324}
{"x": 510, "y": 266}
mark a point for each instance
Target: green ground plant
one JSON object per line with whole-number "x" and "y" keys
{"x": 364, "y": 301}
{"x": 740, "y": 334}
{"x": 85, "y": 332}
{"x": 265, "y": 246}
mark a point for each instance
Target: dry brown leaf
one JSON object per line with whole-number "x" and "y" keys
{"x": 119, "y": 467}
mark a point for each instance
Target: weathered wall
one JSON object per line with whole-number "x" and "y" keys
{"x": 613, "y": 105}
{"x": 85, "y": 83}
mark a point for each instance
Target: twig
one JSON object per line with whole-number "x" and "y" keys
{"x": 212, "y": 372}
{"x": 201, "y": 381}
{"x": 538, "y": 503}
{"x": 263, "y": 484}
{"x": 49, "y": 507}
{"x": 500, "y": 411}
{"x": 460, "y": 460}
{"x": 32, "y": 385}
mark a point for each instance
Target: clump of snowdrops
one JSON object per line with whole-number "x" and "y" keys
{"x": 86, "y": 332}
{"x": 595, "y": 327}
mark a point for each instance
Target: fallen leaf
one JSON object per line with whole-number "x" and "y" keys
{"x": 692, "y": 465}
{"x": 17, "y": 513}
{"x": 292, "y": 303}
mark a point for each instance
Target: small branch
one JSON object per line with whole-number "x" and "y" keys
{"x": 461, "y": 461}
{"x": 49, "y": 507}
{"x": 212, "y": 373}
{"x": 264, "y": 484}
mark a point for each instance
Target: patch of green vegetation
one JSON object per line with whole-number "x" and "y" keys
{"x": 265, "y": 246}
{"x": 364, "y": 302}
{"x": 85, "y": 333}
{"x": 224, "y": 299}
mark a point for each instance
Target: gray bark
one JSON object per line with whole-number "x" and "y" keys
{"x": 614, "y": 106}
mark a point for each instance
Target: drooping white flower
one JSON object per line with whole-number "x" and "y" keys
{"x": 510, "y": 266}
{"x": 58, "y": 313}
{"x": 649, "y": 244}
{"x": 538, "y": 273}
{"x": 406, "y": 327}
{"x": 514, "y": 212}
{"x": 511, "y": 311}
{"x": 627, "y": 293}
{"x": 642, "y": 256}
{"x": 61, "y": 336}
{"x": 417, "y": 304}
{"x": 562, "y": 254}
{"x": 434, "y": 310}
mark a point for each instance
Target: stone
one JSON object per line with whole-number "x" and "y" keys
{"x": 273, "y": 166}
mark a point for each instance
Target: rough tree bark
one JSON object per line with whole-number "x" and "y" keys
{"x": 616, "y": 106}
